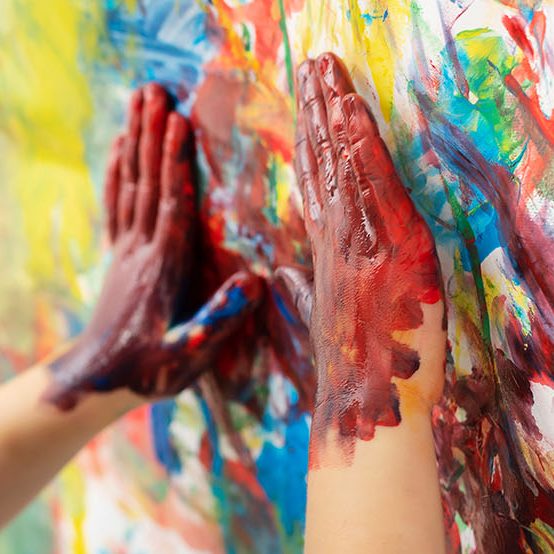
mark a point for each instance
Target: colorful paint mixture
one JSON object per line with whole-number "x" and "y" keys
{"x": 462, "y": 93}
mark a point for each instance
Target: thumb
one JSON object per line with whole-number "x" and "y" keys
{"x": 201, "y": 336}
{"x": 299, "y": 285}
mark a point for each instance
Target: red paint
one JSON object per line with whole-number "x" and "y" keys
{"x": 516, "y": 28}
{"x": 374, "y": 257}
{"x": 151, "y": 220}
{"x": 234, "y": 206}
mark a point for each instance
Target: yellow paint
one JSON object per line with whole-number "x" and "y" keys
{"x": 359, "y": 31}
{"x": 46, "y": 106}
{"x": 73, "y": 504}
{"x": 284, "y": 180}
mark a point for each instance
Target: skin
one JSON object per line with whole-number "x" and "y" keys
{"x": 376, "y": 319}
{"x": 149, "y": 198}
{"x": 126, "y": 356}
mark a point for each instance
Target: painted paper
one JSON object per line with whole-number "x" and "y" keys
{"x": 463, "y": 95}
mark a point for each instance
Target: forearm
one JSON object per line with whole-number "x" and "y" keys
{"x": 381, "y": 495}
{"x": 37, "y": 439}
{"x": 386, "y": 499}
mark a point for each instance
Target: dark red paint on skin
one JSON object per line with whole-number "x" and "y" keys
{"x": 151, "y": 220}
{"x": 374, "y": 257}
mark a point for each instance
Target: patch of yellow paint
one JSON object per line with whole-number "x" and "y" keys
{"x": 45, "y": 108}
{"x": 73, "y": 494}
{"x": 368, "y": 34}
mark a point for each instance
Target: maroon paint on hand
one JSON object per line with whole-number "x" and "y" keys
{"x": 149, "y": 199}
{"x": 374, "y": 257}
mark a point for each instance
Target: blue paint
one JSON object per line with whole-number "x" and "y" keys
{"x": 166, "y": 41}
{"x": 281, "y": 304}
{"x": 370, "y": 18}
{"x": 235, "y": 303}
{"x": 282, "y": 470}
{"x": 161, "y": 416}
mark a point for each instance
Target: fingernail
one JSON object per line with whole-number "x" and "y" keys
{"x": 326, "y": 67}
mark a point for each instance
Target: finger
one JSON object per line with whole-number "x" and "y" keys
{"x": 112, "y": 186}
{"x": 334, "y": 76}
{"x": 129, "y": 164}
{"x": 223, "y": 314}
{"x": 383, "y": 196}
{"x": 176, "y": 206}
{"x": 153, "y": 125}
{"x": 300, "y": 287}
{"x": 312, "y": 104}
{"x": 307, "y": 176}
{"x": 335, "y": 83}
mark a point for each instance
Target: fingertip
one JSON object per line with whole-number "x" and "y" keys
{"x": 177, "y": 135}
{"x": 328, "y": 61}
{"x": 300, "y": 288}
{"x": 135, "y": 102}
{"x": 155, "y": 92}
{"x": 252, "y": 286}
{"x": 334, "y": 73}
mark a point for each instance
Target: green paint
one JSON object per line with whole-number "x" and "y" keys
{"x": 246, "y": 38}
{"x": 464, "y": 229}
{"x": 32, "y": 532}
{"x": 486, "y": 62}
{"x": 288, "y": 53}
{"x": 270, "y": 210}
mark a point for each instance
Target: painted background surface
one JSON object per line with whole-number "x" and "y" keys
{"x": 463, "y": 92}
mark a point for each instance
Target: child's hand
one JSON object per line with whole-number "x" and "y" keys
{"x": 151, "y": 217}
{"x": 377, "y": 292}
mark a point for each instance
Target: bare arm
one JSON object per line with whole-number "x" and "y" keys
{"x": 126, "y": 355}
{"x": 37, "y": 439}
{"x": 376, "y": 322}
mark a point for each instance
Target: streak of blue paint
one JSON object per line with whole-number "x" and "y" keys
{"x": 282, "y": 306}
{"x": 235, "y": 303}
{"x": 282, "y": 469}
{"x": 161, "y": 416}
{"x": 166, "y": 41}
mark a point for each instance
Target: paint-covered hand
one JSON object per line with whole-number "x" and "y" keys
{"x": 377, "y": 292}
{"x": 151, "y": 218}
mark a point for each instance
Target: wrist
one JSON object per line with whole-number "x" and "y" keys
{"x": 78, "y": 374}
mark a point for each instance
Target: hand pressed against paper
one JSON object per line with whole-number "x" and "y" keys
{"x": 377, "y": 312}
{"x": 151, "y": 220}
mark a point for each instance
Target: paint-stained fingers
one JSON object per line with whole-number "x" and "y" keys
{"x": 299, "y": 284}
{"x": 176, "y": 208}
{"x": 312, "y": 104}
{"x": 200, "y": 338}
{"x": 358, "y": 228}
{"x": 112, "y": 185}
{"x": 153, "y": 125}
{"x": 369, "y": 155}
{"x": 381, "y": 190}
{"x": 129, "y": 164}
{"x": 334, "y": 75}
{"x": 335, "y": 83}
{"x": 307, "y": 175}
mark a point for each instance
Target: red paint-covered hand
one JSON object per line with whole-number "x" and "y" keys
{"x": 151, "y": 216}
{"x": 375, "y": 267}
